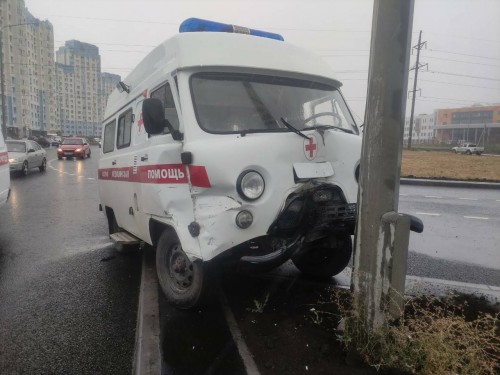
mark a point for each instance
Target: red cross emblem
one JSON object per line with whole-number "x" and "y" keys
{"x": 310, "y": 147}
{"x": 140, "y": 122}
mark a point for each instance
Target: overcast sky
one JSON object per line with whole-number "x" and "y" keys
{"x": 463, "y": 38}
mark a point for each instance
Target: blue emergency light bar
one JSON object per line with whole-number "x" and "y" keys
{"x": 197, "y": 24}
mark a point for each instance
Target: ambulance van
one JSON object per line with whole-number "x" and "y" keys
{"x": 4, "y": 172}
{"x": 229, "y": 146}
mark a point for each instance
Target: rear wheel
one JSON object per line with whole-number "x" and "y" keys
{"x": 324, "y": 258}
{"x": 185, "y": 284}
{"x": 24, "y": 169}
{"x": 468, "y": 152}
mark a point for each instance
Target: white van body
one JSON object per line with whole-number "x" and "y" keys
{"x": 155, "y": 187}
{"x": 4, "y": 172}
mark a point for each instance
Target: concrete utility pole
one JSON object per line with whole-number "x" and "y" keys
{"x": 417, "y": 66}
{"x": 382, "y": 235}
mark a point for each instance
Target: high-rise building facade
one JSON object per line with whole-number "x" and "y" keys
{"x": 79, "y": 82}
{"x": 82, "y": 90}
{"x": 28, "y": 71}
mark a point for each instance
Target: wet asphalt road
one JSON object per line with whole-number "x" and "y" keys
{"x": 68, "y": 302}
{"x": 461, "y": 238}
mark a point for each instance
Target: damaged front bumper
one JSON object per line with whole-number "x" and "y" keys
{"x": 310, "y": 213}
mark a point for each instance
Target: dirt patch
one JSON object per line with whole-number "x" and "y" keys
{"x": 290, "y": 326}
{"x": 450, "y": 166}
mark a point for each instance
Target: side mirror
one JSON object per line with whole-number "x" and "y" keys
{"x": 153, "y": 115}
{"x": 85, "y": 144}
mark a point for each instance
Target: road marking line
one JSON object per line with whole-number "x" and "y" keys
{"x": 476, "y": 217}
{"x": 147, "y": 355}
{"x": 468, "y": 199}
{"x": 432, "y": 196}
{"x": 427, "y": 213}
{"x": 248, "y": 361}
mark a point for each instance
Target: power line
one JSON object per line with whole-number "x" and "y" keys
{"x": 178, "y": 23}
{"x": 457, "y": 100}
{"x": 463, "y": 75}
{"x": 464, "y": 37}
{"x": 459, "y": 84}
{"x": 464, "y": 54}
{"x": 461, "y": 61}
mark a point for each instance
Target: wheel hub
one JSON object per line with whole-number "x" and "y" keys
{"x": 181, "y": 268}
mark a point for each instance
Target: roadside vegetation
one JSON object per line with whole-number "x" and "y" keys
{"x": 452, "y": 335}
{"x": 450, "y": 166}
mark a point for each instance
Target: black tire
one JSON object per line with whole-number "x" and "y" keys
{"x": 324, "y": 258}
{"x": 90, "y": 152}
{"x": 59, "y": 157}
{"x": 24, "y": 169}
{"x": 185, "y": 284}
{"x": 468, "y": 152}
{"x": 43, "y": 167}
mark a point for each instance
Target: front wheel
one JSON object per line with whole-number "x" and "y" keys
{"x": 324, "y": 258}
{"x": 43, "y": 167}
{"x": 184, "y": 283}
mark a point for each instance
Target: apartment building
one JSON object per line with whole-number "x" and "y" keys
{"x": 82, "y": 90}
{"x": 79, "y": 88}
{"x": 28, "y": 71}
{"x": 423, "y": 129}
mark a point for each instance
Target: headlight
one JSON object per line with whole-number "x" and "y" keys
{"x": 78, "y": 150}
{"x": 250, "y": 185}
{"x": 12, "y": 160}
{"x": 59, "y": 150}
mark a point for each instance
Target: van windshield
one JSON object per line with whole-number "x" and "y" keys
{"x": 239, "y": 103}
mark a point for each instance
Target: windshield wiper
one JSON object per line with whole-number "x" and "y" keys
{"x": 296, "y": 131}
{"x": 326, "y": 127}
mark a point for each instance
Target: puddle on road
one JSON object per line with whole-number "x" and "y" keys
{"x": 197, "y": 342}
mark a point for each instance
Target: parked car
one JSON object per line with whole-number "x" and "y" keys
{"x": 468, "y": 148}
{"x": 43, "y": 141}
{"x": 56, "y": 141}
{"x": 24, "y": 155}
{"x": 74, "y": 147}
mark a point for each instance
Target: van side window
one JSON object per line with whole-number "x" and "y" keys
{"x": 124, "y": 128}
{"x": 108, "y": 144}
{"x": 164, "y": 93}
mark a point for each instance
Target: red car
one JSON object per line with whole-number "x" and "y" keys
{"x": 74, "y": 147}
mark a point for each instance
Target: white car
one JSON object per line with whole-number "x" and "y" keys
{"x": 25, "y": 154}
{"x": 4, "y": 172}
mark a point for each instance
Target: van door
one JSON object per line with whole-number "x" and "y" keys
{"x": 115, "y": 172}
{"x": 163, "y": 190}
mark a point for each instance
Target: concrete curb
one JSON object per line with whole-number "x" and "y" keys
{"x": 147, "y": 356}
{"x": 449, "y": 183}
{"x": 417, "y": 285}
